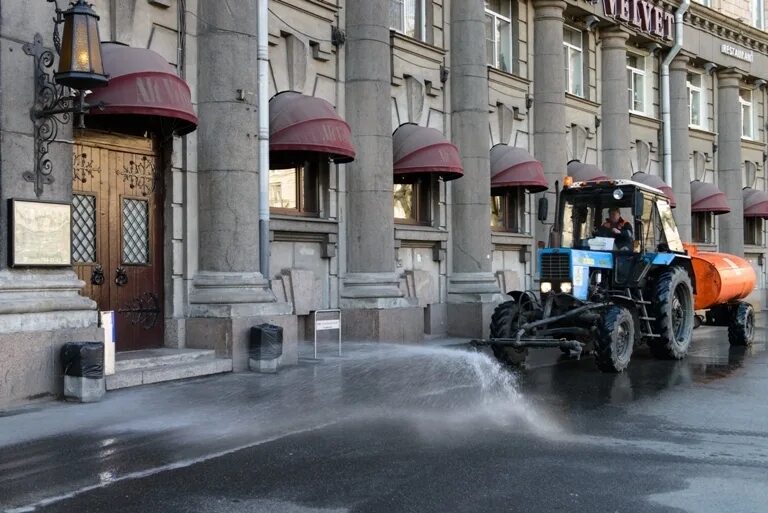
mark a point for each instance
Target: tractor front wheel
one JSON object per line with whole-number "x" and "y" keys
{"x": 615, "y": 341}
{"x": 504, "y": 324}
{"x": 673, "y": 310}
{"x": 741, "y": 328}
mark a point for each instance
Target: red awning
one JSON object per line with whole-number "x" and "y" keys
{"x": 421, "y": 150}
{"x": 142, "y": 83}
{"x": 755, "y": 203}
{"x": 657, "y": 183}
{"x": 582, "y": 172}
{"x": 301, "y": 124}
{"x": 515, "y": 167}
{"x": 706, "y": 197}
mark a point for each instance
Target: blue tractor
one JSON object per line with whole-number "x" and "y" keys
{"x": 615, "y": 275}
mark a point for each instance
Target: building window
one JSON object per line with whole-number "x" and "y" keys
{"x": 574, "y": 61}
{"x": 412, "y": 202}
{"x": 747, "y": 121}
{"x": 295, "y": 190}
{"x": 508, "y": 210}
{"x": 758, "y": 13}
{"x": 498, "y": 34}
{"x": 702, "y": 227}
{"x": 753, "y": 231}
{"x": 696, "y": 100}
{"x": 636, "y": 82}
{"x": 409, "y": 17}
{"x": 706, "y": 3}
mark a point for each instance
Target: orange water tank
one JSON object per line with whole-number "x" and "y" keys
{"x": 720, "y": 277}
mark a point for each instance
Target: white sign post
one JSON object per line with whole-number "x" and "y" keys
{"x": 107, "y": 322}
{"x": 327, "y": 325}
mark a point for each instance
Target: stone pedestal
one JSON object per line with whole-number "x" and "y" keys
{"x": 549, "y": 100}
{"x": 83, "y": 390}
{"x": 729, "y": 179}
{"x": 614, "y": 109}
{"x": 680, "y": 117}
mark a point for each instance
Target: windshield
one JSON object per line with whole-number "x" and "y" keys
{"x": 597, "y": 220}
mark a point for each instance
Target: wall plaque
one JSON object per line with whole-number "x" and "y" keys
{"x": 40, "y": 233}
{"x": 739, "y": 53}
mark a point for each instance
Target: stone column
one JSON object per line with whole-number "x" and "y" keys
{"x": 731, "y": 229}
{"x": 681, "y": 176}
{"x": 374, "y": 306}
{"x": 472, "y": 288}
{"x": 614, "y": 109}
{"x": 549, "y": 100}
{"x": 229, "y": 294}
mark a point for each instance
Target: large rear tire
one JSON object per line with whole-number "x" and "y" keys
{"x": 504, "y": 324}
{"x": 741, "y": 328}
{"x": 615, "y": 341}
{"x": 673, "y": 310}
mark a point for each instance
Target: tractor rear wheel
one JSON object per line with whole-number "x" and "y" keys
{"x": 673, "y": 310}
{"x": 741, "y": 328}
{"x": 504, "y": 324}
{"x": 615, "y": 340}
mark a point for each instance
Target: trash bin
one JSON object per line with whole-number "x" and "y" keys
{"x": 265, "y": 347}
{"x": 83, "y": 366}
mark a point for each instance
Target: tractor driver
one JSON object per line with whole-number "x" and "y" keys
{"x": 615, "y": 226}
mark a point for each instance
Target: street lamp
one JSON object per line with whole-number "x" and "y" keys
{"x": 60, "y": 97}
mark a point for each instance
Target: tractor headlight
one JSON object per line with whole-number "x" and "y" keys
{"x": 546, "y": 287}
{"x": 618, "y": 194}
{"x": 566, "y": 287}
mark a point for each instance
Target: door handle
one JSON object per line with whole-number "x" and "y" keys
{"x": 97, "y": 275}
{"x": 121, "y": 277}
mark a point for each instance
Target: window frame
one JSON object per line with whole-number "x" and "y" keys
{"x": 420, "y": 19}
{"x": 569, "y": 47}
{"x": 753, "y": 231}
{"x": 702, "y": 227}
{"x": 497, "y": 42}
{"x": 642, "y": 72}
{"x": 700, "y": 89}
{"x": 422, "y": 194}
{"x": 512, "y": 210}
{"x": 750, "y": 105}
{"x": 311, "y": 169}
{"x": 758, "y": 14}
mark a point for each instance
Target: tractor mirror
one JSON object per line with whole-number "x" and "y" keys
{"x": 543, "y": 209}
{"x": 639, "y": 204}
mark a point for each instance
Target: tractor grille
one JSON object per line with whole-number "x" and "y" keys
{"x": 555, "y": 267}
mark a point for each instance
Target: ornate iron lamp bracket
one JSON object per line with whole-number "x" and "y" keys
{"x": 54, "y": 106}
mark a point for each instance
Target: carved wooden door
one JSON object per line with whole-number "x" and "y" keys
{"x": 117, "y": 232}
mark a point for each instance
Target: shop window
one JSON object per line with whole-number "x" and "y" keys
{"x": 409, "y": 17}
{"x": 636, "y": 82}
{"x": 412, "y": 202}
{"x": 747, "y": 119}
{"x": 701, "y": 227}
{"x": 753, "y": 231}
{"x": 295, "y": 190}
{"x": 758, "y": 13}
{"x": 696, "y": 100}
{"x": 508, "y": 210}
{"x": 499, "y": 34}
{"x": 574, "y": 61}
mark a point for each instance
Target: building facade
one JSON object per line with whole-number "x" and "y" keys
{"x": 409, "y": 141}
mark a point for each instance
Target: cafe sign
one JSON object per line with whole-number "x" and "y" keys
{"x": 739, "y": 53}
{"x": 642, "y": 14}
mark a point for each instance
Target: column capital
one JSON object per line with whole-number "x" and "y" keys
{"x": 548, "y": 8}
{"x": 680, "y": 63}
{"x": 614, "y": 37}
{"x": 729, "y": 77}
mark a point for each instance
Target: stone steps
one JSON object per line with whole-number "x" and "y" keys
{"x": 136, "y": 368}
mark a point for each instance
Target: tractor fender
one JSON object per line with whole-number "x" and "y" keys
{"x": 665, "y": 260}
{"x": 686, "y": 263}
{"x": 523, "y": 296}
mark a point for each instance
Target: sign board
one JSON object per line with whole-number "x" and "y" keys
{"x": 643, "y": 15}
{"x": 107, "y": 323}
{"x": 328, "y": 324}
{"x": 41, "y": 233}
{"x": 739, "y": 53}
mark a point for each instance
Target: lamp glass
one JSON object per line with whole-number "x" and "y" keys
{"x": 80, "y": 64}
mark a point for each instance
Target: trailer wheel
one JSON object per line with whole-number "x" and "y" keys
{"x": 504, "y": 324}
{"x": 673, "y": 310}
{"x": 615, "y": 340}
{"x": 741, "y": 328}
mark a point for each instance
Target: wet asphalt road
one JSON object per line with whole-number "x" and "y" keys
{"x": 411, "y": 429}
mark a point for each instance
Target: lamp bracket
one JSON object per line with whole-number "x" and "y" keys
{"x": 54, "y": 106}
{"x": 58, "y": 20}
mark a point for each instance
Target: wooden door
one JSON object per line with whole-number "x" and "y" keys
{"x": 117, "y": 232}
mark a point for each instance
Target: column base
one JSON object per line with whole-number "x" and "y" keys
{"x": 374, "y": 291}
{"x": 472, "y": 298}
{"x": 398, "y": 325}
